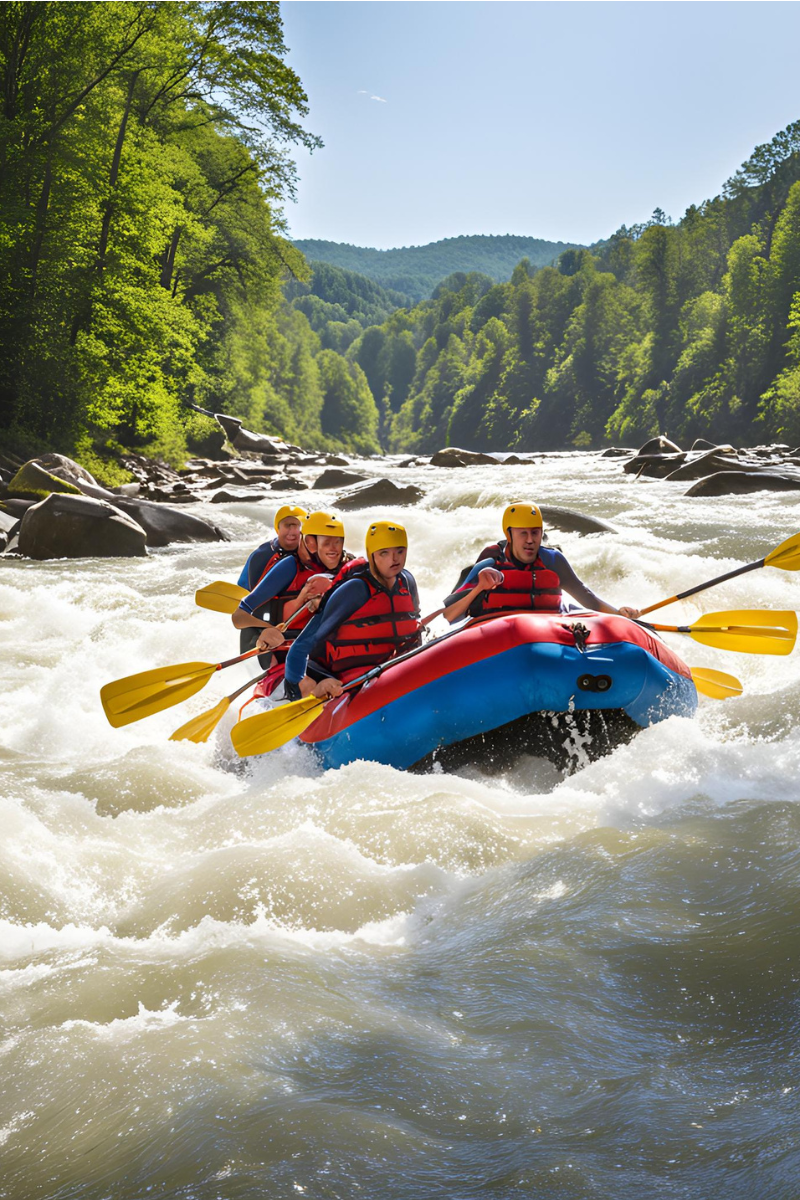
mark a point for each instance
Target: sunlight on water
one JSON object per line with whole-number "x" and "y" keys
{"x": 272, "y": 980}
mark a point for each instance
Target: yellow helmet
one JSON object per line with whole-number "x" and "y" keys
{"x": 384, "y": 535}
{"x": 522, "y": 516}
{"x": 289, "y": 510}
{"x": 322, "y": 524}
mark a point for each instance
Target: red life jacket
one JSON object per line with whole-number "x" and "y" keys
{"x": 277, "y": 605}
{"x": 383, "y": 626}
{"x": 528, "y": 586}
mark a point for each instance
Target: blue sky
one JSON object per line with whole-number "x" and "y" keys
{"x": 558, "y": 120}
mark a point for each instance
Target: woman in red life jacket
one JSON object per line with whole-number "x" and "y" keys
{"x": 288, "y": 525}
{"x": 293, "y": 580}
{"x": 524, "y": 575}
{"x": 371, "y": 614}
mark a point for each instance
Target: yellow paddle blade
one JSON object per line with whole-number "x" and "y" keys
{"x": 220, "y": 596}
{"x": 269, "y": 730}
{"x": 749, "y": 631}
{"x": 786, "y": 556}
{"x": 716, "y": 684}
{"x": 137, "y": 696}
{"x": 200, "y": 728}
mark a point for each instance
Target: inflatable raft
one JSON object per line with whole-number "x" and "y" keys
{"x": 549, "y": 684}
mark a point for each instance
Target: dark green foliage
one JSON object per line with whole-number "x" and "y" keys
{"x": 416, "y": 270}
{"x": 340, "y": 304}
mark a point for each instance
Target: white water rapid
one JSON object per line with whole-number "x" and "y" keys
{"x": 237, "y": 981}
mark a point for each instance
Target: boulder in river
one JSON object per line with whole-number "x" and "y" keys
{"x": 721, "y": 458}
{"x": 33, "y": 482}
{"x": 225, "y": 496}
{"x": 702, "y": 444}
{"x": 333, "y": 477}
{"x": 453, "y": 456}
{"x": 164, "y": 525}
{"x": 616, "y": 452}
{"x": 70, "y": 526}
{"x": 567, "y": 520}
{"x": 737, "y": 483}
{"x": 659, "y": 445}
{"x": 656, "y": 466}
{"x": 65, "y": 468}
{"x": 380, "y": 491}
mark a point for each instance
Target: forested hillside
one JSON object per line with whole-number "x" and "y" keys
{"x": 143, "y": 162}
{"x": 339, "y": 305}
{"x": 691, "y": 328}
{"x": 416, "y": 270}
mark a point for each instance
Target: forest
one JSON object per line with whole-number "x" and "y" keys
{"x": 415, "y": 271}
{"x": 144, "y": 265}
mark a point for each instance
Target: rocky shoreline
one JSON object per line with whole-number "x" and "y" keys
{"x": 51, "y": 507}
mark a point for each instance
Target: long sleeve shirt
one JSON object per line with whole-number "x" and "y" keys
{"x": 342, "y": 604}
{"x": 554, "y": 560}
{"x": 253, "y": 569}
{"x": 274, "y": 582}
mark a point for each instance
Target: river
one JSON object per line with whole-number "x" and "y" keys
{"x": 225, "y": 980}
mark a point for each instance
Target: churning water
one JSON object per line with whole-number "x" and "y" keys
{"x": 269, "y": 981}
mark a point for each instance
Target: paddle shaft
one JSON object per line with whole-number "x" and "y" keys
{"x": 776, "y": 631}
{"x": 701, "y": 587}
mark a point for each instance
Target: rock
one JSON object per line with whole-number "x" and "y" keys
{"x": 70, "y": 526}
{"x": 246, "y": 441}
{"x": 702, "y": 444}
{"x": 736, "y": 483}
{"x": 453, "y": 456}
{"x": 659, "y": 445}
{"x": 379, "y": 491}
{"x": 513, "y": 460}
{"x": 127, "y": 489}
{"x": 656, "y": 466}
{"x": 334, "y": 478}
{"x": 285, "y": 483}
{"x": 164, "y": 525}
{"x": 616, "y": 452}
{"x": 33, "y": 482}
{"x": 17, "y": 507}
{"x": 567, "y": 520}
{"x": 336, "y": 460}
{"x": 224, "y": 496}
{"x": 65, "y": 468}
{"x": 409, "y": 462}
{"x": 9, "y": 527}
{"x": 722, "y": 458}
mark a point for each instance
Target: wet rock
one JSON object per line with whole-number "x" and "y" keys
{"x": 33, "y": 482}
{"x": 453, "y": 456}
{"x": 334, "y": 478}
{"x": 380, "y": 491}
{"x": 616, "y": 452}
{"x": 127, "y": 489}
{"x": 737, "y": 483}
{"x": 722, "y": 458}
{"x": 224, "y": 496}
{"x": 513, "y": 460}
{"x": 702, "y": 444}
{"x": 285, "y": 483}
{"x": 655, "y": 466}
{"x": 336, "y": 460}
{"x": 567, "y": 520}
{"x": 659, "y": 445}
{"x": 16, "y": 508}
{"x": 164, "y": 525}
{"x": 9, "y": 527}
{"x": 75, "y": 526}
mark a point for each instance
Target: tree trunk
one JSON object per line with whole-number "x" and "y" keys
{"x": 168, "y": 259}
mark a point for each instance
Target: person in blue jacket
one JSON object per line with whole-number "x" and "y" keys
{"x": 288, "y": 524}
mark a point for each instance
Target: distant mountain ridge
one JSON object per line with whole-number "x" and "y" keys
{"x": 416, "y": 270}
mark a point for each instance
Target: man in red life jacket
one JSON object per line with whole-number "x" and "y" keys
{"x": 291, "y": 581}
{"x": 522, "y": 574}
{"x": 370, "y": 614}
{"x": 288, "y": 524}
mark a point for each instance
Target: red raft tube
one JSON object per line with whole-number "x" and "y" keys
{"x": 547, "y": 684}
